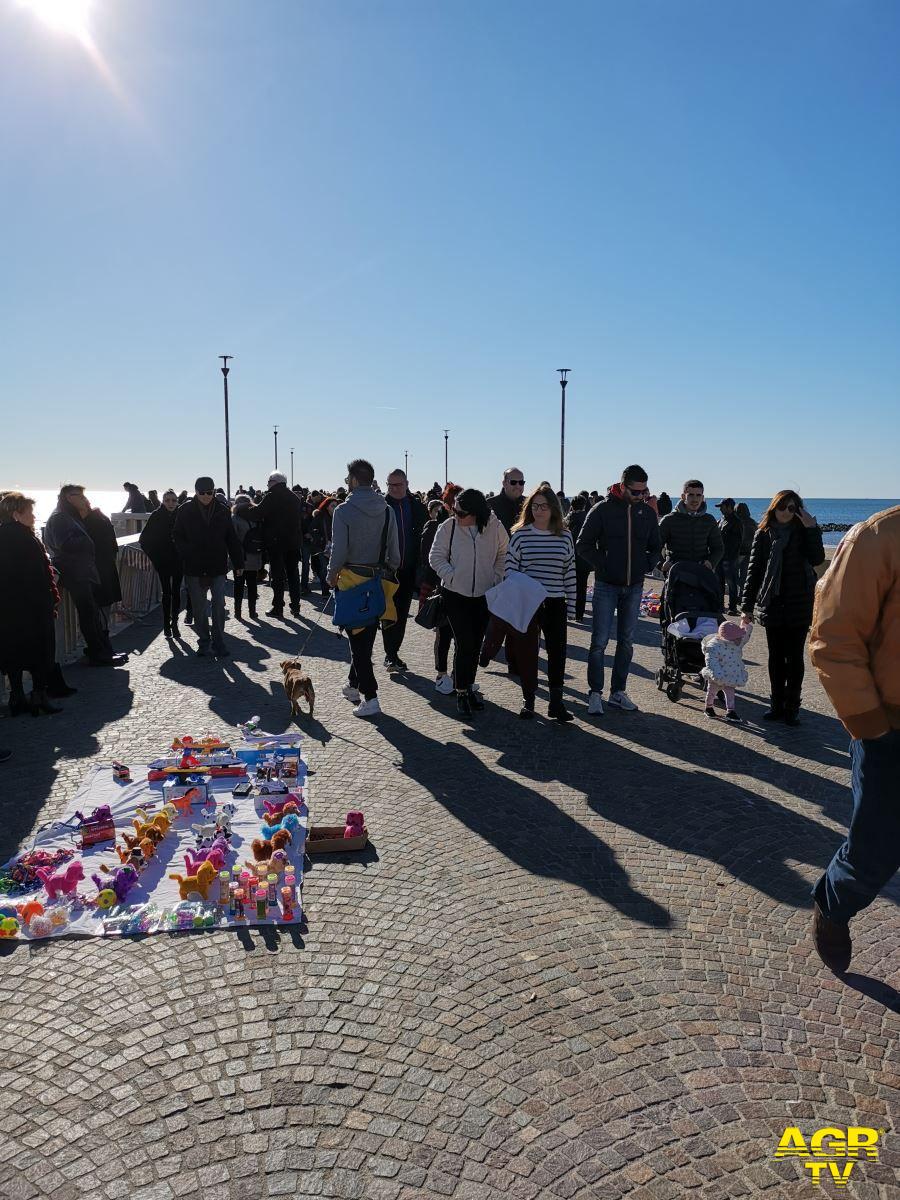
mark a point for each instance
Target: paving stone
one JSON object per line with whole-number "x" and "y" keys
{"x": 573, "y": 962}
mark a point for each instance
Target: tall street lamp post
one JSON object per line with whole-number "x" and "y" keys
{"x": 292, "y": 466}
{"x": 446, "y": 474}
{"x": 276, "y": 447}
{"x": 562, "y": 372}
{"x": 225, "y": 369}
{"x": 406, "y": 463}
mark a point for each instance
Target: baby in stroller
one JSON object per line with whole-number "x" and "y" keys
{"x": 724, "y": 669}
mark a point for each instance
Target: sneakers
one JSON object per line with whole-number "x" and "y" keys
{"x": 444, "y": 685}
{"x": 368, "y": 708}
{"x": 710, "y": 712}
{"x": 351, "y": 693}
{"x": 622, "y": 700}
{"x": 394, "y": 665}
{"x": 526, "y": 712}
{"x": 476, "y": 701}
{"x": 595, "y": 705}
{"x": 275, "y": 612}
{"x": 731, "y": 715}
{"x": 556, "y": 709}
{"x": 832, "y": 942}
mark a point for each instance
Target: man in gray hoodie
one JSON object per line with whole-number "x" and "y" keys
{"x": 359, "y": 527}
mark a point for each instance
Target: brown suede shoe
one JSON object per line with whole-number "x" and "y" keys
{"x": 832, "y": 942}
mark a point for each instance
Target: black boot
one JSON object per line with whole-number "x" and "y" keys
{"x": 526, "y": 712}
{"x": 18, "y": 703}
{"x": 167, "y": 629}
{"x": 791, "y": 717}
{"x": 176, "y": 632}
{"x": 556, "y": 710}
{"x": 463, "y": 705}
{"x": 475, "y": 700}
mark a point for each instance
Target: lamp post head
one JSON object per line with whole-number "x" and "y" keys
{"x": 225, "y": 367}
{"x": 562, "y": 372}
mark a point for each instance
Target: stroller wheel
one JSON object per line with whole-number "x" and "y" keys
{"x": 673, "y": 691}
{"x": 660, "y": 679}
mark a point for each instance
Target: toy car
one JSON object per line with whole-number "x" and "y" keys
{"x": 272, "y": 787}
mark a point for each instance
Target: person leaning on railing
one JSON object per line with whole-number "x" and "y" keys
{"x": 29, "y": 599}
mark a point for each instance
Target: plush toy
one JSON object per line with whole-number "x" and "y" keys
{"x": 262, "y": 850}
{"x": 214, "y": 854}
{"x": 160, "y": 822}
{"x": 123, "y": 880}
{"x": 58, "y": 917}
{"x": 102, "y": 815}
{"x": 290, "y": 821}
{"x": 64, "y": 882}
{"x": 281, "y": 840}
{"x": 355, "y": 825}
{"x": 9, "y": 927}
{"x": 276, "y": 809}
{"x": 201, "y": 882}
{"x": 29, "y": 910}
{"x": 223, "y": 819}
{"x": 106, "y": 898}
{"x": 205, "y": 833}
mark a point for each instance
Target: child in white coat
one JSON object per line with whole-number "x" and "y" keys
{"x": 725, "y": 670}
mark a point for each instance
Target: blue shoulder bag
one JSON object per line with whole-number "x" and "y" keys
{"x": 364, "y": 603}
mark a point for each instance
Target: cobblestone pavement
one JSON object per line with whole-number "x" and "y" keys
{"x": 574, "y": 962}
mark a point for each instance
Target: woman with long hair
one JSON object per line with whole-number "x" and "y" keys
{"x": 781, "y": 585}
{"x": 541, "y": 547}
{"x": 249, "y": 534}
{"x": 320, "y": 535}
{"x": 29, "y": 599}
{"x": 468, "y": 555}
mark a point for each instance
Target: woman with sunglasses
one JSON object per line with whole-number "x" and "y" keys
{"x": 781, "y": 585}
{"x": 468, "y": 555}
{"x": 542, "y": 548}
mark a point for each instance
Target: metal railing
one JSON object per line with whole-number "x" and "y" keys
{"x": 140, "y": 593}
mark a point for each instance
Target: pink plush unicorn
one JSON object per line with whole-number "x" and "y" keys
{"x": 355, "y": 825}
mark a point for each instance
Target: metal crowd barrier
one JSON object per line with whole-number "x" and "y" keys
{"x": 140, "y": 593}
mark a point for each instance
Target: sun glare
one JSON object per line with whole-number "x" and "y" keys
{"x": 64, "y": 16}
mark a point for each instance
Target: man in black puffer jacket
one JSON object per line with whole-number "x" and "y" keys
{"x": 205, "y": 539}
{"x": 620, "y": 540}
{"x": 689, "y": 533}
{"x": 282, "y": 514}
{"x": 732, "y": 532}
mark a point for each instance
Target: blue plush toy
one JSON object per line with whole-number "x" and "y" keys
{"x": 288, "y": 822}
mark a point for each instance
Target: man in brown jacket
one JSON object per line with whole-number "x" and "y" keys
{"x": 855, "y": 647}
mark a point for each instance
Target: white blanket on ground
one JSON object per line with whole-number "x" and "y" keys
{"x": 154, "y": 888}
{"x": 516, "y": 599}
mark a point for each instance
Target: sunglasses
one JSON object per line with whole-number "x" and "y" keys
{"x": 787, "y": 506}
{"x": 637, "y": 491}
{"x": 209, "y": 493}
{"x": 516, "y": 482}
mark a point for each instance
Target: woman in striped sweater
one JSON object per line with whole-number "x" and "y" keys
{"x": 542, "y": 547}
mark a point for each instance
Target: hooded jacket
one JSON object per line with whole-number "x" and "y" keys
{"x": 620, "y": 540}
{"x": 691, "y": 536}
{"x": 205, "y": 543}
{"x": 356, "y": 532}
{"x": 855, "y": 638}
{"x": 468, "y": 564}
{"x": 732, "y": 532}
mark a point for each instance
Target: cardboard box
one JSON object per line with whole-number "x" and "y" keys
{"x": 329, "y": 839}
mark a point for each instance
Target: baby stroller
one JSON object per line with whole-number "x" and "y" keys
{"x": 692, "y": 596}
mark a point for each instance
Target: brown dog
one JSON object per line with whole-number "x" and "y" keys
{"x": 298, "y": 686}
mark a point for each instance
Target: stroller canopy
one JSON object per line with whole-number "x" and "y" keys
{"x": 690, "y": 588}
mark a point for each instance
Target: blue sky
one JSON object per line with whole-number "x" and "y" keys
{"x": 403, "y": 216}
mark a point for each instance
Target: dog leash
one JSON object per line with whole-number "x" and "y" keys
{"x": 315, "y": 625}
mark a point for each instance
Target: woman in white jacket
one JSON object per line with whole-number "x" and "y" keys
{"x": 468, "y": 553}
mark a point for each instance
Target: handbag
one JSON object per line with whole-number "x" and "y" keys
{"x": 364, "y": 603}
{"x": 432, "y": 612}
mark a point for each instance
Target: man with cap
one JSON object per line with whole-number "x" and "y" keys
{"x": 205, "y": 539}
{"x": 728, "y": 569}
{"x": 281, "y": 513}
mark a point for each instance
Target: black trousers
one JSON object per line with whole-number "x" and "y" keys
{"x": 729, "y": 574}
{"x": 170, "y": 582}
{"x": 443, "y": 637}
{"x": 582, "y": 574}
{"x": 468, "y": 616}
{"x": 362, "y": 675}
{"x": 90, "y": 622}
{"x": 285, "y": 572}
{"x": 787, "y": 656}
{"x": 550, "y": 619}
{"x": 248, "y": 580}
{"x": 394, "y": 634}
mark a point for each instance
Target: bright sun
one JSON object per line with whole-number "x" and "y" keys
{"x": 64, "y": 16}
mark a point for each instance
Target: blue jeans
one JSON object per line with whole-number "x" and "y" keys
{"x": 610, "y": 600}
{"x": 871, "y": 853}
{"x": 198, "y": 586}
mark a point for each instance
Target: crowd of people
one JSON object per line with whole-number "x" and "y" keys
{"x": 501, "y": 570}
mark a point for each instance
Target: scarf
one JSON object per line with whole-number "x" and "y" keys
{"x": 771, "y": 584}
